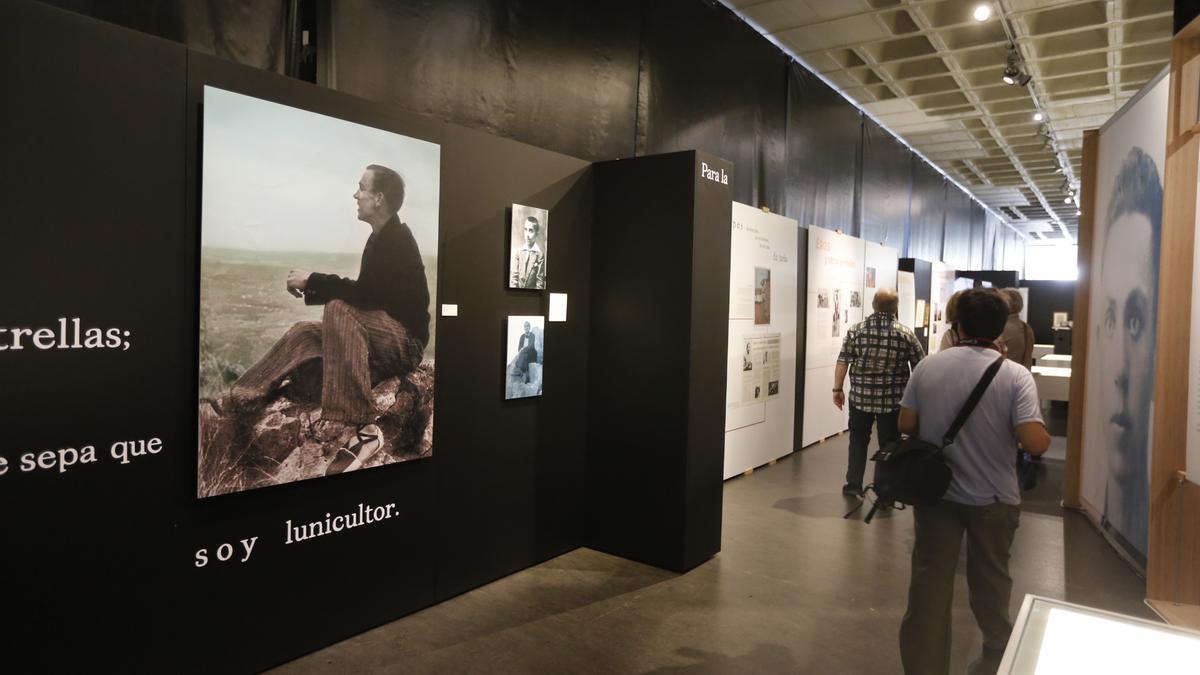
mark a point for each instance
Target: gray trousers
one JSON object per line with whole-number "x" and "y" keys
{"x": 925, "y": 631}
{"x": 353, "y": 345}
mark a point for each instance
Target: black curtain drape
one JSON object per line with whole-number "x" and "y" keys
{"x": 823, "y": 135}
{"x": 956, "y": 247}
{"x": 886, "y": 184}
{"x": 732, "y": 107}
{"x": 561, "y": 76}
{"x": 926, "y": 213}
{"x": 250, "y": 32}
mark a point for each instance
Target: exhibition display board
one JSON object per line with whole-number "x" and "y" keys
{"x": 1122, "y": 320}
{"x": 906, "y": 289}
{"x": 836, "y": 281}
{"x": 881, "y": 270}
{"x": 760, "y": 396}
{"x": 941, "y": 288}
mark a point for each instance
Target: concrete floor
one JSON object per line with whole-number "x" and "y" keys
{"x": 795, "y": 589}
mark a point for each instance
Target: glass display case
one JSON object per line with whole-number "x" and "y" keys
{"x": 1052, "y": 636}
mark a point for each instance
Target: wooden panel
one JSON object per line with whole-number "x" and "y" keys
{"x": 1173, "y": 563}
{"x": 1079, "y": 340}
{"x": 1185, "y": 616}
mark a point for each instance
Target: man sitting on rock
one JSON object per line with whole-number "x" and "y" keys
{"x": 377, "y": 324}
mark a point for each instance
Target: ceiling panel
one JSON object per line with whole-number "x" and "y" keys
{"x": 931, "y": 74}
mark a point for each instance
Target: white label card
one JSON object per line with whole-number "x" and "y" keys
{"x": 449, "y": 310}
{"x": 558, "y": 307}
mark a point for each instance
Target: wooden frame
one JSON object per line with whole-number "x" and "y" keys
{"x": 1173, "y": 562}
{"x": 1079, "y": 337}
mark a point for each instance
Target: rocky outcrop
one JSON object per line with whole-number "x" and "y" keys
{"x": 287, "y": 440}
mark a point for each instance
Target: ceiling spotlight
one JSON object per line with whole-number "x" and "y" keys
{"x": 1038, "y": 117}
{"x": 1068, "y": 200}
{"x": 1078, "y": 212}
{"x": 1012, "y": 73}
{"x": 1058, "y": 170}
{"x": 983, "y": 12}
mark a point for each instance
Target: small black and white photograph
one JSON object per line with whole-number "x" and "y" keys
{"x": 526, "y": 343}
{"x": 855, "y": 299}
{"x": 318, "y": 276}
{"x": 837, "y": 313}
{"x": 527, "y": 267}
{"x": 762, "y": 296}
{"x": 747, "y": 362}
{"x": 823, "y": 298}
{"x": 773, "y": 388}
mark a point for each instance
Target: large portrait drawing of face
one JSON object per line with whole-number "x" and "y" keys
{"x": 1127, "y": 289}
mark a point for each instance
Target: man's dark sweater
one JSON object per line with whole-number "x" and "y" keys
{"x": 391, "y": 277}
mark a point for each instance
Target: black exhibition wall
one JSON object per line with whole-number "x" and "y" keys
{"x": 997, "y": 278}
{"x": 1045, "y": 298}
{"x": 110, "y": 549}
{"x": 601, "y": 81}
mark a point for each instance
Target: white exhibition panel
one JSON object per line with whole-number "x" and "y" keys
{"x": 1041, "y": 350}
{"x": 906, "y": 288}
{"x": 836, "y": 272}
{"x": 760, "y": 394}
{"x": 1053, "y": 384}
{"x": 882, "y": 265}
{"x": 941, "y": 287}
{"x": 1119, "y": 374}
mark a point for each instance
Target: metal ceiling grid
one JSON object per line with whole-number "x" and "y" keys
{"x": 930, "y": 73}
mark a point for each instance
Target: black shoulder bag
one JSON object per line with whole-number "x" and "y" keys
{"x": 914, "y": 472}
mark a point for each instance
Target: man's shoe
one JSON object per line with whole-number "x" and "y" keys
{"x": 369, "y": 439}
{"x": 853, "y": 490}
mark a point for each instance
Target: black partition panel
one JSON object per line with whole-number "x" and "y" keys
{"x": 658, "y": 341}
{"x": 997, "y": 278}
{"x": 801, "y": 343}
{"x": 923, "y": 280}
{"x": 510, "y": 484}
{"x": 1045, "y": 298}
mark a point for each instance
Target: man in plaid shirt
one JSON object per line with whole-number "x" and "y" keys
{"x": 880, "y": 353}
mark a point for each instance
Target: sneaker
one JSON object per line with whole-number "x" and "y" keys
{"x": 852, "y": 490}
{"x": 368, "y": 440}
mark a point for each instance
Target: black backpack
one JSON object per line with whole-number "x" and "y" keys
{"x": 914, "y": 472}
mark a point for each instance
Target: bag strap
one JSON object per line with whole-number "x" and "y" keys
{"x": 972, "y": 401}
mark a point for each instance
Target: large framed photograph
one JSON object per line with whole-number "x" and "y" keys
{"x": 529, "y": 247}
{"x": 318, "y": 275}
{"x": 526, "y": 346}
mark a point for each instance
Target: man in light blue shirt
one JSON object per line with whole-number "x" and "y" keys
{"x": 984, "y": 496}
